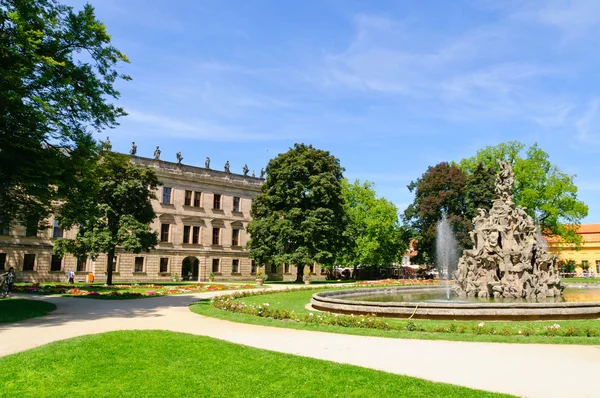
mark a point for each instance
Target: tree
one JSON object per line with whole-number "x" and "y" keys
{"x": 548, "y": 194}
{"x": 479, "y": 190}
{"x": 57, "y": 70}
{"x": 299, "y": 217}
{"x": 441, "y": 189}
{"x": 373, "y": 228}
{"x": 114, "y": 210}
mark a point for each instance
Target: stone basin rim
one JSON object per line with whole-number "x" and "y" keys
{"x": 328, "y": 296}
{"x": 330, "y": 301}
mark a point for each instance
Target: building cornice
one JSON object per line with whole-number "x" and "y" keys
{"x": 186, "y": 173}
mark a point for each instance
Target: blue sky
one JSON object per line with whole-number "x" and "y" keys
{"x": 389, "y": 87}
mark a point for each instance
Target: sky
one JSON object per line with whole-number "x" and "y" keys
{"x": 388, "y": 87}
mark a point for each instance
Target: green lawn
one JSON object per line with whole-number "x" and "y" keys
{"x": 506, "y": 332}
{"x": 13, "y": 310}
{"x": 581, "y": 280}
{"x": 168, "y": 364}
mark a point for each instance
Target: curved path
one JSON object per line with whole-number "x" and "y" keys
{"x": 531, "y": 370}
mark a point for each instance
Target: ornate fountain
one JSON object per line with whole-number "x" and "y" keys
{"x": 508, "y": 275}
{"x": 506, "y": 261}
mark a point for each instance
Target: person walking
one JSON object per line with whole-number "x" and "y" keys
{"x": 71, "y": 276}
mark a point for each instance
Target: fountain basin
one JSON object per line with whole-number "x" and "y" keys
{"x": 339, "y": 302}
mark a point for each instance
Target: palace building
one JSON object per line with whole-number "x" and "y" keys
{"x": 201, "y": 218}
{"x": 586, "y": 257}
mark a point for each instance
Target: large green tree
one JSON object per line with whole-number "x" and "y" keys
{"x": 57, "y": 75}
{"x": 548, "y": 194}
{"x": 373, "y": 228}
{"x": 113, "y": 210}
{"x": 299, "y": 217}
{"x": 441, "y": 189}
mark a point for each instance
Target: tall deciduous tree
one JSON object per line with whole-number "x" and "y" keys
{"x": 548, "y": 194}
{"x": 480, "y": 190}
{"x": 57, "y": 71}
{"x": 114, "y": 210}
{"x": 299, "y": 217}
{"x": 441, "y": 189}
{"x": 373, "y": 230}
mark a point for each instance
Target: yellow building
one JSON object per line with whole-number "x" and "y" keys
{"x": 587, "y": 256}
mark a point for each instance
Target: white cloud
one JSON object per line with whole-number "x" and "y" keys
{"x": 155, "y": 124}
{"x": 588, "y": 125}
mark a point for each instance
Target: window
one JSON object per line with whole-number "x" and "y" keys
{"x": 57, "y": 232}
{"x": 139, "y": 264}
{"x": 196, "y": 235}
{"x": 235, "y": 237}
{"x": 164, "y": 264}
{"x": 197, "y": 199}
{"x": 215, "y": 236}
{"x": 217, "y": 202}
{"x": 215, "y": 265}
{"x": 114, "y": 263}
{"x": 235, "y": 266}
{"x": 164, "y": 232}
{"x": 31, "y": 227}
{"x": 166, "y": 199}
{"x": 56, "y": 263}
{"x": 2, "y": 261}
{"x": 286, "y": 269}
{"x": 597, "y": 266}
{"x": 186, "y": 233}
{"x": 187, "y": 199}
{"x": 273, "y": 268}
{"x": 81, "y": 264}
{"x": 4, "y": 230}
{"x": 253, "y": 269}
{"x": 28, "y": 262}
{"x": 312, "y": 268}
{"x": 585, "y": 264}
{"x": 236, "y": 204}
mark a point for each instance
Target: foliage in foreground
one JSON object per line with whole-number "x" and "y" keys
{"x": 235, "y": 304}
{"x": 182, "y": 365}
{"x": 116, "y": 210}
{"x": 13, "y": 310}
{"x": 57, "y": 74}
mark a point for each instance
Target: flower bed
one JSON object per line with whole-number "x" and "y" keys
{"x": 233, "y": 303}
{"x": 124, "y": 291}
{"x": 400, "y": 282}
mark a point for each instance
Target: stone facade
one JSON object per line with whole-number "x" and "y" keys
{"x": 586, "y": 257}
{"x": 202, "y": 217}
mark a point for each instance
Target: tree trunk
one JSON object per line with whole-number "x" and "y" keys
{"x": 300, "y": 273}
{"x": 109, "y": 262}
{"x": 355, "y": 272}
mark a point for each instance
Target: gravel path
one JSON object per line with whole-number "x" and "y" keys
{"x": 531, "y": 370}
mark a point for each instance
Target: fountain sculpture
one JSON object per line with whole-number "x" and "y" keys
{"x": 506, "y": 260}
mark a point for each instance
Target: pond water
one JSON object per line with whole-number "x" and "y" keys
{"x": 569, "y": 295}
